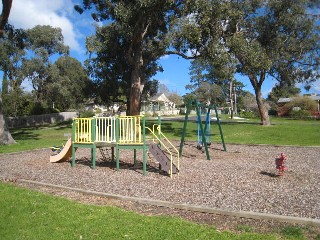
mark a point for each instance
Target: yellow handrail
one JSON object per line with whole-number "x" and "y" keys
{"x": 176, "y": 150}
{"x": 166, "y": 148}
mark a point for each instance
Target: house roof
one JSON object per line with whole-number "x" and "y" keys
{"x": 286, "y": 100}
{"x": 159, "y": 98}
{"x": 316, "y": 98}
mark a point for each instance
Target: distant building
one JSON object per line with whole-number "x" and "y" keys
{"x": 313, "y": 96}
{"x": 159, "y": 105}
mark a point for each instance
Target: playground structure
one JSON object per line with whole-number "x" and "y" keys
{"x": 122, "y": 132}
{"x": 203, "y": 132}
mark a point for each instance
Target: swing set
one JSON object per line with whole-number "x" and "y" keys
{"x": 204, "y": 135}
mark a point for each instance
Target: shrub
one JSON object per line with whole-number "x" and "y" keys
{"x": 305, "y": 105}
{"x": 247, "y": 114}
{"x": 54, "y": 110}
{"x": 300, "y": 114}
{"x": 36, "y": 109}
{"x": 98, "y": 110}
{"x": 86, "y": 114}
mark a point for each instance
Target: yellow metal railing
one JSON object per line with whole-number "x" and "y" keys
{"x": 160, "y": 135}
{"x": 105, "y": 129}
{"x": 130, "y": 130}
{"x": 83, "y": 130}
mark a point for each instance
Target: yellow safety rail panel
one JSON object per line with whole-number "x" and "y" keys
{"x": 83, "y": 130}
{"x": 130, "y": 130}
{"x": 167, "y": 148}
{"x": 106, "y": 129}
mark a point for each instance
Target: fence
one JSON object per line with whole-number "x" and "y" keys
{"x": 104, "y": 129}
{"x": 36, "y": 120}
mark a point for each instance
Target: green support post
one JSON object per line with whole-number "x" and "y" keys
{"x": 93, "y": 155}
{"x": 73, "y": 161}
{"x": 117, "y": 145}
{"x": 184, "y": 129}
{"x": 135, "y": 157}
{"x": 203, "y": 130}
{"x": 117, "y": 159}
{"x": 92, "y": 140}
{"x": 220, "y": 129}
{"x": 144, "y": 145}
{"x": 204, "y": 141}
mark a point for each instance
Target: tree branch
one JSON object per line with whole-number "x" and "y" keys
{"x": 182, "y": 55}
{"x": 5, "y": 13}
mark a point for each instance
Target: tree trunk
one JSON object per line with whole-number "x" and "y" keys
{"x": 231, "y": 101}
{"x": 5, "y": 136}
{"x": 264, "y": 116}
{"x": 136, "y": 79}
{"x": 135, "y": 93}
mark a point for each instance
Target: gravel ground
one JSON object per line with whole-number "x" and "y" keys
{"x": 243, "y": 178}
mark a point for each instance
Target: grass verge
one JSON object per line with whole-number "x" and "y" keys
{"x": 27, "y": 214}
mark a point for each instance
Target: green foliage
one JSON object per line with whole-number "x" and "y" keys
{"x": 68, "y": 85}
{"x": 188, "y": 97}
{"x": 86, "y": 114}
{"x": 300, "y": 114}
{"x": 97, "y": 111}
{"x": 176, "y": 99}
{"x": 258, "y": 39}
{"x": 37, "y": 109}
{"x": 150, "y": 89}
{"x": 63, "y": 83}
{"x": 282, "y": 90}
{"x": 247, "y": 101}
{"x": 247, "y": 114}
{"x": 43, "y": 41}
{"x": 124, "y": 53}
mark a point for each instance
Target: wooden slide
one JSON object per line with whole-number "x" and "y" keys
{"x": 65, "y": 153}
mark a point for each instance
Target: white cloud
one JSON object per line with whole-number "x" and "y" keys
{"x": 29, "y": 13}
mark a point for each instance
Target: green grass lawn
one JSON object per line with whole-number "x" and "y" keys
{"x": 27, "y": 214}
{"x": 285, "y": 132}
{"x": 38, "y": 137}
{"x": 281, "y": 132}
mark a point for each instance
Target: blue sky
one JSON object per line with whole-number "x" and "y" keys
{"x": 75, "y": 28}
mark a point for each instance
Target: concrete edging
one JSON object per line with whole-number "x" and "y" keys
{"x": 183, "y": 206}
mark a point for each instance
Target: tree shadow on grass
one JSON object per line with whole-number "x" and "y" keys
{"x": 25, "y": 134}
{"x": 167, "y": 127}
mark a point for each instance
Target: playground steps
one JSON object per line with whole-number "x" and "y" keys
{"x": 162, "y": 158}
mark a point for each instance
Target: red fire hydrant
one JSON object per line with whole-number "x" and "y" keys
{"x": 280, "y": 164}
